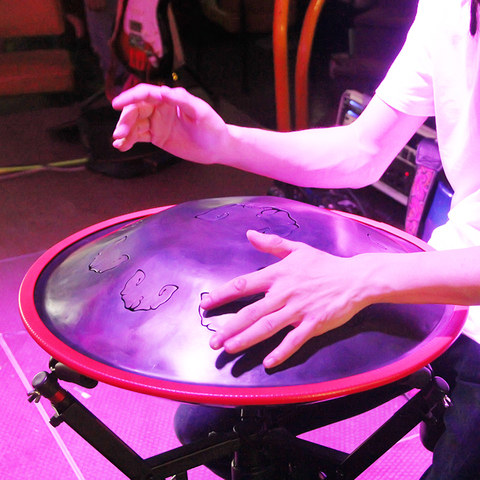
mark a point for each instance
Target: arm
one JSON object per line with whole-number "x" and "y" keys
{"x": 316, "y": 292}
{"x": 348, "y": 156}
{"x": 309, "y": 289}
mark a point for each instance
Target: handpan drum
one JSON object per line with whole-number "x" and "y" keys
{"x": 119, "y": 302}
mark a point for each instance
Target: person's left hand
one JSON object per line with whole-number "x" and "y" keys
{"x": 308, "y": 289}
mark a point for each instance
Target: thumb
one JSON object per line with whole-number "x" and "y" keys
{"x": 273, "y": 244}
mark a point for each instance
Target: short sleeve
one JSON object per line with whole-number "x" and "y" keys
{"x": 407, "y": 86}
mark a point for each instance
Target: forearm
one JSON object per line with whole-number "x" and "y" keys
{"x": 346, "y": 156}
{"x": 330, "y": 158}
{"x": 355, "y": 155}
{"x": 438, "y": 277}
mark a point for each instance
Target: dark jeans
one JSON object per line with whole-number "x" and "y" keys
{"x": 456, "y": 455}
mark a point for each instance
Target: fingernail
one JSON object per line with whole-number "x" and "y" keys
{"x": 205, "y": 301}
{"x": 215, "y": 342}
{"x": 269, "y": 362}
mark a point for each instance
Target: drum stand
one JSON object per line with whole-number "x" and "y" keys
{"x": 259, "y": 453}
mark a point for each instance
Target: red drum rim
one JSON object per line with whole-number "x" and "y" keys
{"x": 225, "y": 396}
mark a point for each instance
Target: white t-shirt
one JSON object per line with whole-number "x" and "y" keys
{"x": 437, "y": 74}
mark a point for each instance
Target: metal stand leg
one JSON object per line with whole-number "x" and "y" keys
{"x": 175, "y": 462}
{"x": 259, "y": 453}
{"x": 308, "y": 461}
{"x": 419, "y": 408}
{"x": 89, "y": 427}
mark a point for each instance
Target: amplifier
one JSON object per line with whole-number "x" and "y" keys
{"x": 397, "y": 180}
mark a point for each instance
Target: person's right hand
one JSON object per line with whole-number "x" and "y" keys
{"x": 171, "y": 119}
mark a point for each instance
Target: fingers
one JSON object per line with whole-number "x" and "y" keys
{"x": 123, "y": 133}
{"x": 133, "y": 126}
{"x": 151, "y": 94}
{"x": 162, "y": 106}
{"x": 278, "y": 246}
{"x": 256, "y": 282}
{"x": 260, "y": 321}
{"x": 252, "y": 283}
{"x": 239, "y": 287}
{"x": 252, "y": 324}
{"x": 308, "y": 289}
{"x": 188, "y": 104}
{"x": 127, "y": 119}
{"x": 293, "y": 341}
{"x": 137, "y": 105}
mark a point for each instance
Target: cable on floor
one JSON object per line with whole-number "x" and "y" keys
{"x": 63, "y": 166}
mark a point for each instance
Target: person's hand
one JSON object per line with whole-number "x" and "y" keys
{"x": 171, "y": 119}
{"x": 308, "y": 289}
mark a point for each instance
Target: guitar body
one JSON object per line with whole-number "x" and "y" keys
{"x": 143, "y": 40}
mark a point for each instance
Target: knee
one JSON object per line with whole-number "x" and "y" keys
{"x": 195, "y": 422}
{"x": 182, "y": 424}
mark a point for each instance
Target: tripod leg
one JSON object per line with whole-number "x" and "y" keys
{"x": 417, "y": 409}
{"x": 89, "y": 427}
